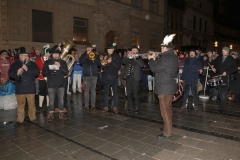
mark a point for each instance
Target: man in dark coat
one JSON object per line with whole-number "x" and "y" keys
{"x": 110, "y": 77}
{"x": 165, "y": 70}
{"x": 24, "y": 72}
{"x": 90, "y": 74}
{"x": 192, "y": 68}
{"x": 225, "y": 65}
{"x": 55, "y": 69}
{"x": 132, "y": 74}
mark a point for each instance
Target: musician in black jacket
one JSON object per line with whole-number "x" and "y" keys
{"x": 224, "y": 66}
{"x": 24, "y": 72}
{"x": 132, "y": 74}
{"x": 55, "y": 69}
{"x": 110, "y": 77}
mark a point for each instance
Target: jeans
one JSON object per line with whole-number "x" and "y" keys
{"x": 60, "y": 97}
{"x": 193, "y": 87}
{"x": 223, "y": 91}
{"x": 90, "y": 84}
{"x": 132, "y": 87}
{"x": 113, "y": 82}
{"x": 77, "y": 82}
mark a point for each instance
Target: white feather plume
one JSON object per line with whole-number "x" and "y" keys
{"x": 94, "y": 45}
{"x": 46, "y": 46}
{"x": 114, "y": 44}
{"x": 168, "y": 39}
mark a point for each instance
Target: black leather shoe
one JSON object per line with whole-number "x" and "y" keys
{"x": 35, "y": 121}
{"x": 162, "y": 136}
{"x": 136, "y": 111}
{"x": 129, "y": 110}
{"x": 220, "y": 111}
{"x": 17, "y": 124}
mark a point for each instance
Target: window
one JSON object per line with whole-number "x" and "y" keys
{"x": 42, "y": 26}
{"x": 152, "y": 40}
{"x": 153, "y": 6}
{"x": 135, "y": 36}
{"x": 194, "y": 22}
{"x": 80, "y": 30}
{"x": 137, "y": 3}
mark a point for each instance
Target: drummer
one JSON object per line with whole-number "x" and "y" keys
{"x": 190, "y": 76}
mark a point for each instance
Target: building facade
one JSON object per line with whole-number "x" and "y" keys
{"x": 33, "y": 23}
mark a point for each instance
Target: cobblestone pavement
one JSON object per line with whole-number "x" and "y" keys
{"x": 93, "y": 135}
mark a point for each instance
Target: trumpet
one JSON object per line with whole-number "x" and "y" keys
{"x": 144, "y": 55}
{"x": 92, "y": 56}
{"x": 104, "y": 62}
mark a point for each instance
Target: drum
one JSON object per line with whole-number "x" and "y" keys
{"x": 179, "y": 92}
{"x": 215, "y": 82}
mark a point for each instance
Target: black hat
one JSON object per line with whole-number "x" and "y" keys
{"x": 91, "y": 45}
{"x": 72, "y": 49}
{"x": 192, "y": 50}
{"x": 111, "y": 46}
{"x": 4, "y": 50}
{"x": 23, "y": 51}
{"x": 55, "y": 49}
{"x": 136, "y": 47}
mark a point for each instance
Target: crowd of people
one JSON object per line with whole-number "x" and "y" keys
{"x": 46, "y": 74}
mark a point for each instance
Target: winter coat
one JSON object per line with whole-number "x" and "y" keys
{"x": 165, "y": 70}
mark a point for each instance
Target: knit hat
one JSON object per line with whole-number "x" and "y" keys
{"x": 4, "y": 50}
{"x": 226, "y": 49}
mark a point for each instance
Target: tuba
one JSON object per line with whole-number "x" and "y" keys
{"x": 70, "y": 60}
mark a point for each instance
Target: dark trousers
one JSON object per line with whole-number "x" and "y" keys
{"x": 165, "y": 102}
{"x": 132, "y": 88}
{"x": 193, "y": 87}
{"x": 113, "y": 82}
{"x": 223, "y": 91}
{"x": 52, "y": 92}
{"x": 65, "y": 92}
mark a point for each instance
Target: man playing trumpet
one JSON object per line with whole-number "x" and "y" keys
{"x": 132, "y": 74}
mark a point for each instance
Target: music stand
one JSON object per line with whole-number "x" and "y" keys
{"x": 204, "y": 96}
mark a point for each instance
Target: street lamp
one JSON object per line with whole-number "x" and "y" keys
{"x": 231, "y": 46}
{"x": 216, "y": 44}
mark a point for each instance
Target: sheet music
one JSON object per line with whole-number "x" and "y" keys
{"x": 53, "y": 67}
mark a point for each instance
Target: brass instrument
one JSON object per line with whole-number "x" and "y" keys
{"x": 104, "y": 62}
{"x": 92, "y": 56}
{"x": 144, "y": 55}
{"x": 70, "y": 60}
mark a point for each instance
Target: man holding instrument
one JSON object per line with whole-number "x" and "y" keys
{"x": 165, "y": 70}
{"x": 24, "y": 72}
{"x": 224, "y": 66}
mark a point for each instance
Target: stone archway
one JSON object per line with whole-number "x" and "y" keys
{"x": 110, "y": 38}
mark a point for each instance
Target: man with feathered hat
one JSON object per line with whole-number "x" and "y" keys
{"x": 24, "y": 72}
{"x": 165, "y": 70}
{"x": 110, "y": 76}
{"x": 41, "y": 79}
